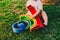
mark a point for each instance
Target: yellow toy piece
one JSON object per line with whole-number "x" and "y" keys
{"x": 33, "y": 25}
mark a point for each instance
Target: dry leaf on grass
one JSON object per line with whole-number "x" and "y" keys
{"x": 0, "y": 13}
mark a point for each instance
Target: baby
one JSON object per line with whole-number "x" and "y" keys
{"x": 39, "y": 10}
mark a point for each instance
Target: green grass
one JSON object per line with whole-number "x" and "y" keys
{"x": 7, "y": 18}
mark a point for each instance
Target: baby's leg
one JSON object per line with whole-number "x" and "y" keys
{"x": 45, "y": 18}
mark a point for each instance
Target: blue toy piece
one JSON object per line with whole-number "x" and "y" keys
{"x": 18, "y": 28}
{"x": 21, "y": 25}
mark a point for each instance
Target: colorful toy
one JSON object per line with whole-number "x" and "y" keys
{"x": 27, "y": 23}
{"x": 39, "y": 22}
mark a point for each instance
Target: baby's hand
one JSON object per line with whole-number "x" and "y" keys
{"x": 31, "y": 17}
{"x": 27, "y": 14}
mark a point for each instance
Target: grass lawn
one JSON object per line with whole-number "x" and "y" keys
{"x": 9, "y": 12}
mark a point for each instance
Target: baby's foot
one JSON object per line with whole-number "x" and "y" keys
{"x": 45, "y": 23}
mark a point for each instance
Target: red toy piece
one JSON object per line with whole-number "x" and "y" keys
{"x": 39, "y": 21}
